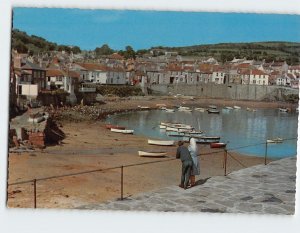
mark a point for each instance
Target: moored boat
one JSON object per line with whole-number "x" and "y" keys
{"x": 124, "y": 131}
{"x": 215, "y": 111}
{"x": 283, "y": 109}
{"x": 170, "y": 110}
{"x": 152, "y": 154}
{"x": 217, "y": 145}
{"x": 200, "y": 109}
{"x": 212, "y": 106}
{"x": 161, "y": 142}
{"x": 236, "y": 107}
{"x": 275, "y": 140}
{"x": 144, "y": 107}
{"x": 110, "y": 126}
{"x": 228, "y": 107}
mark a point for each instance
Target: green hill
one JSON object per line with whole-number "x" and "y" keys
{"x": 24, "y": 43}
{"x": 273, "y": 50}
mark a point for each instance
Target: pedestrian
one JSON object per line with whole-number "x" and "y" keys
{"x": 194, "y": 152}
{"x": 184, "y": 155}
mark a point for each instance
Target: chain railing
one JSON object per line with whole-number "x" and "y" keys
{"x": 225, "y": 167}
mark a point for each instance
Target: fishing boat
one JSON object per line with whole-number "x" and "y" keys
{"x": 215, "y": 111}
{"x": 217, "y": 145}
{"x": 152, "y": 154}
{"x": 275, "y": 140}
{"x": 236, "y": 107}
{"x": 161, "y": 142}
{"x": 110, "y": 126}
{"x": 124, "y": 131}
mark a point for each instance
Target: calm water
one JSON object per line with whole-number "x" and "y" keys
{"x": 236, "y": 127}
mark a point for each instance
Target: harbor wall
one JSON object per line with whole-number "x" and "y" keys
{"x": 232, "y": 91}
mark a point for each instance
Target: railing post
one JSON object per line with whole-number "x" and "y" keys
{"x": 266, "y": 153}
{"x": 34, "y": 192}
{"x": 122, "y": 182}
{"x": 225, "y": 162}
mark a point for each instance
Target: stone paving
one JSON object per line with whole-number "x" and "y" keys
{"x": 259, "y": 190}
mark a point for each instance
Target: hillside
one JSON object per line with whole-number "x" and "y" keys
{"x": 24, "y": 43}
{"x": 270, "y": 51}
{"x": 277, "y": 51}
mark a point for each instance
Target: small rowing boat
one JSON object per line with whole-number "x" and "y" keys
{"x": 200, "y": 109}
{"x": 110, "y": 126}
{"x": 161, "y": 142}
{"x": 212, "y": 106}
{"x": 124, "y": 131}
{"x": 217, "y": 145}
{"x": 228, "y": 107}
{"x": 215, "y": 111}
{"x": 152, "y": 154}
{"x": 170, "y": 110}
{"x": 275, "y": 140}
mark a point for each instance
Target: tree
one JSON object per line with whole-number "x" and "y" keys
{"x": 76, "y": 50}
{"x": 129, "y": 52}
{"x": 103, "y": 50}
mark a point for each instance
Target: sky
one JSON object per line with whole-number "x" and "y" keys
{"x": 89, "y": 29}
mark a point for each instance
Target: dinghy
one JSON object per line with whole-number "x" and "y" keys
{"x": 124, "y": 131}
{"x": 217, "y": 145}
{"x": 236, "y": 107}
{"x": 275, "y": 140}
{"x": 161, "y": 142}
{"x": 152, "y": 154}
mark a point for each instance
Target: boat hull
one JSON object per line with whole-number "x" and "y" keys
{"x": 160, "y": 143}
{"x": 217, "y": 145}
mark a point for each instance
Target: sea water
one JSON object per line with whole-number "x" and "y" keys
{"x": 243, "y": 131}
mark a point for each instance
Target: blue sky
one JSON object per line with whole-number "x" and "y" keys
{"x": 143, "y": 29}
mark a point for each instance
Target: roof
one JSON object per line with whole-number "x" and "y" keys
{"x": 116, "y": 56}
{"x": 94, "y": 66}
{"x": 31, "y": 66}
{"x": 258, "y": 72}
{"x": 73, "y": 74}
{"x": 54, "y": 73}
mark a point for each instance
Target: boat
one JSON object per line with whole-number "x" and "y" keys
{"x": 144, "y": 107}
{"x": 228, "y": 107}
{"x": 212, "y": 106}
{"x": 283, "y": 109}
{"x": 162, "y": 126}
{"x": 124, "y": 131}
{"x": 161, "y": 142}
{"x": 110, "y": 126}
{"x": 236, "y": 107}
{"x": 152, "y": 154}
{"x": 200, "y": 109}
{"x": 184, "y": 110}
{"x": 213, "y": 111}
{"x": 170, "y": 110}
{"x": 217, "y": 145}
{"x": 275, "y": 140}
{"x": 204, "y": 139}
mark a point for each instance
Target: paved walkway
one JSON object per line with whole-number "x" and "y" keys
{"x": 260, "y": 189}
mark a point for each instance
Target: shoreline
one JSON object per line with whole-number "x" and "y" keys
{"x": 90, "y": 146}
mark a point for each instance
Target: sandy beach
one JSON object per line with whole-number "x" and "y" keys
{"x": 89, "y": 145}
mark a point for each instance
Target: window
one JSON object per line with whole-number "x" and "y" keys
{"x": 48, "y": 79}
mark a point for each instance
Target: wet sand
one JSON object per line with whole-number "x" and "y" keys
{"x": 89, "y": 146}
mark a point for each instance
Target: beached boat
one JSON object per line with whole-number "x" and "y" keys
{"x": 144, "y": 107}
{"x": 161, "y": 142}
{"x": 152, "y": 154}
{"x": 236, "y": 107}
{"x": 275, "y": 140}
{"x": 110, "y": 126}
{"x": 217, "y": 145}
{"x": 215, "y": 111}
{"x": 124, "y": 131}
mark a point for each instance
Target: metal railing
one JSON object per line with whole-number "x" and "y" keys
{"x": 226, "y": 154}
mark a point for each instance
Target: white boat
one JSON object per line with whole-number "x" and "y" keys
{"x": 283, "y": 109}
{"x": 228, "y": 107}
{"x": 170, "y": 110}
{"x": 212, "y": 110}
{"x": 151, "y": 154}
{"x": 212, "y": 106}
{"x": 124, "y": 131}
{"x": 275, "y": 140}
{"x": 236, "y": 107}
{"x": 161, "y": 142}
{"x": 161, "y": 105}
{"x": 200, "y": 109}
{"x": 143, "y": 107}
{"x": 162, "y": 126}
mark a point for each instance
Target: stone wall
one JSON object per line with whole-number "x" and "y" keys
{"x": 232, "y": 91}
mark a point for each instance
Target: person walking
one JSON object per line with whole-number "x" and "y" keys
{"x": 193, "y": 149}
{"x": 184, "y": 155}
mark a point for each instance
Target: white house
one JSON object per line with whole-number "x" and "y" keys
{"x": 258, "y": 77}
